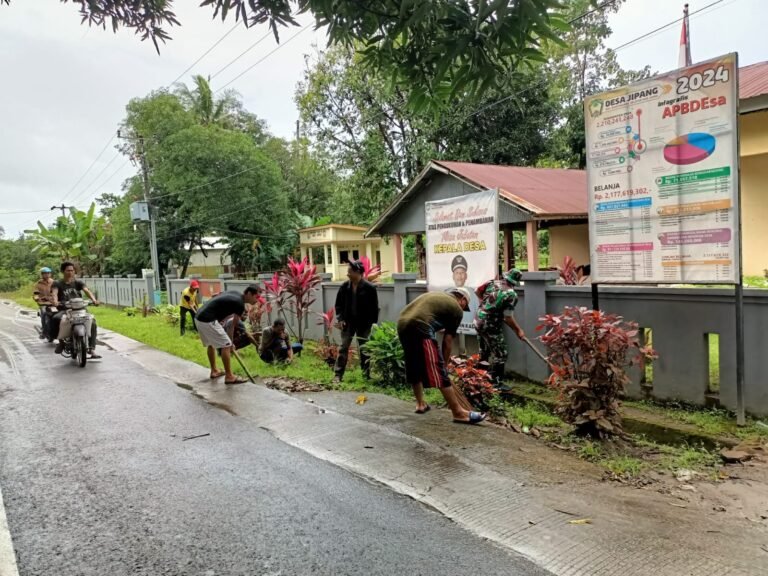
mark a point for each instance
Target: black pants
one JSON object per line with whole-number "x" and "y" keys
{"x": 347, "y": 335}
{"x": 183, "y": 322}
{"x": 276, "y": 355}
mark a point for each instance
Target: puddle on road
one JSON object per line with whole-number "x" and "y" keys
{"x": 221, "y": 406}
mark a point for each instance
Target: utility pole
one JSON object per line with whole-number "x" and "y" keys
{"x": 63, "y": 209}
{"x": 152, "y": 226}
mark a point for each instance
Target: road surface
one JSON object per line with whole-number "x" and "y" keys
{"x": 97, "y": 479}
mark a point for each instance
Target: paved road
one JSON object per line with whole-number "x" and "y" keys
{"x": 97, "y": 480}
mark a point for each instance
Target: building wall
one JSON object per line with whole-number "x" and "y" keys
{"x": 569, "y": 240}
{"x": 754, "y": 191}
{"x": 754, "y": 133}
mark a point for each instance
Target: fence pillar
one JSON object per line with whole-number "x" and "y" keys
{"x": 535, "y": 306}
{"x": 402, "y": 279}
{"x": 149, "y": 280}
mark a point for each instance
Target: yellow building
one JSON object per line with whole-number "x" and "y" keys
{"x": 753, "y": 124}
{"x": 333, "y": 246}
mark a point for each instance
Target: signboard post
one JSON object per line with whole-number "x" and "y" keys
{"x": 663, "y": 177}
{"x": 462, "y": 245}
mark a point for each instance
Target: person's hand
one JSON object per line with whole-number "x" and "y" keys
{"x": 95, "y": 302}
{"x": 289, "y": 360}
{"x": 520, "y": 333}
{"x": 341, "y": 325}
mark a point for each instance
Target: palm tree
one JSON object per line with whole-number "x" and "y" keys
{"x": 200, "y": 101}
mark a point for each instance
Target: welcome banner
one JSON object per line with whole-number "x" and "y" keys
{"x": 462, "y": 245}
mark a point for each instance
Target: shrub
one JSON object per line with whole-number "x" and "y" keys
{"x": 130, "y": 310}
{"x": 589, "y": 351}
{"x": 471, "y": 376}
{"x": 168, "y": 313}
{"x": 387, "y": 357}
{"x": 327, "y": 349}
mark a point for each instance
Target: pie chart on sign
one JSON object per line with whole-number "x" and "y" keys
{"x": 689, "y": 148}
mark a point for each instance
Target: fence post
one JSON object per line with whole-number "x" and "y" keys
{"x": 535, "y": 306}
{"x": 264, "y": 277}
{"x": 149, "y": 279}
{"x": 402, "y": 279}
{"x": 224, "y": 278}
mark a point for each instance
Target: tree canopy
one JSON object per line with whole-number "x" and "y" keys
{"x": 442, "y": 49}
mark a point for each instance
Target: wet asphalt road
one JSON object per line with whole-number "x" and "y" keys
{"x": 97, "y": 481}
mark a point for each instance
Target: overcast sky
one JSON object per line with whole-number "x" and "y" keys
{"x": 65, "y": 86}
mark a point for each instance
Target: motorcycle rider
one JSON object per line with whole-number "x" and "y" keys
{"x": 64, "y": 290}
{"x": 42, "y": 297}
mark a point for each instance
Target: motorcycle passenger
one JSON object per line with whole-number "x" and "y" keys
{"x": 64, "y": 290}
{"x": 43, "y": 298}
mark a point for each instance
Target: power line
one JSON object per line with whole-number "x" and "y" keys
{"x": 23, "y": 212}
{"x": 259, "y": 61}
{"x": 111, "y": 138}
{"x": 205, "y": 183}
{"x": 204, "y": 54}
{"x": 243, "y": 53}
{"x": 106, "y": 166}
{"x": 115, "y": 173}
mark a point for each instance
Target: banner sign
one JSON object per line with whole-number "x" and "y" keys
{"x": 463, "y": 245}
{"x": 662, "y": 168}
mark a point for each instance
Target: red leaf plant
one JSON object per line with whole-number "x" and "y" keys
{"x": 370, "y": 272}
{"x": 327, "y": 349}
{"x": 568, "y": 275}
{"x": 300, "y": 281}
{"x": 474, "y": 380}
{"x": 589, "y": 351}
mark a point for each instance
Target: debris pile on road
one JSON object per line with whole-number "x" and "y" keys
{"x": 291, "y": 385}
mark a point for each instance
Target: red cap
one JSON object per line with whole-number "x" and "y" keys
{"x": 194, "y": 284}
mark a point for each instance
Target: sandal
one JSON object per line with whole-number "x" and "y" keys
{"x": 424, "y": 410}
{"x": 217, "y": 374}
{"x": 237, "y": 380}
{"x": 474, "y": 418}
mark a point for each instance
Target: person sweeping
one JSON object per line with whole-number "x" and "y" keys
{"x": 417, "y": 328}
{"x": 497, "y": 304}
{"x": 188, "y": 305}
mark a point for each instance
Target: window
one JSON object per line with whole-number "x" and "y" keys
{"x": 355, "y": 255}
{"x": 378, "y": 257}
{"x": 344, "y": 257}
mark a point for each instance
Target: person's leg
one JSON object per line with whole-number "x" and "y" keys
{"x": 55, "y": 326}
{"x": 65, "y": 329}
{"x": 365, "y": 360}
{"x": 212, "y": 361}
{"x": 267, "y": 357}
{"x": 418, "y": 392}
{"x": 437, "y": 377}
{"x": 92, "y": 337}
{"x": 226, "y": 359}
{"x": 183, "y": 319}
{"x": 498, "y": 356}
{"x": 341, "y": 361}
{"x": 452, "y": 399}
{"x": 194, "y": 317}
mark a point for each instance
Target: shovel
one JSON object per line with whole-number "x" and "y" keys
{"x": 536, "y": 350}
{"x": 242, "y": 365}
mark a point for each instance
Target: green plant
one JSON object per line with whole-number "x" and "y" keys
{"x": 588, "y": 352}
{"x": 168, "y": 313}
{"x": 624, "y": 466}
{"x": 472, "y": 377}
{"x": 130, "y": 311}
{"x": 533, "y": 414}
{"x": 387, "y": 359}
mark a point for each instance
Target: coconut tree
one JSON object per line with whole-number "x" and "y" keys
{"x": 206, "y": 109}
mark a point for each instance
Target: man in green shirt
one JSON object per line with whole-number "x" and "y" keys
{"x": 417, "y": 328}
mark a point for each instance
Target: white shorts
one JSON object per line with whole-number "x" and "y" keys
{"x": 213, "y": 334}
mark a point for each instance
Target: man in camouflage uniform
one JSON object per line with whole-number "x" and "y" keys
{"x": 497, "y": 302}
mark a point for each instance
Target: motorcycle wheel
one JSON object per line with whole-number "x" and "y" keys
{"x": 80, "y": 351}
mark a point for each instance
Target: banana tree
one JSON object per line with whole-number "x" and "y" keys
{"x": 81, "y": 237}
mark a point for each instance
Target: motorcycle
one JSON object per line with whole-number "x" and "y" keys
{"x": 76, "y": 346}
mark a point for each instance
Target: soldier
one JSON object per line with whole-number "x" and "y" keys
{"x": 497, "y": 302}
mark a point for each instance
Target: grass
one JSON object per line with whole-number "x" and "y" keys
{"x": 532, "y": 414}
{"x": 625, "y": 466}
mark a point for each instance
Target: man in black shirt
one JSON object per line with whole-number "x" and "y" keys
{"x": 357, "y": 310}
{"x": 64, "y": 290}
{"x": 212, "y": 334}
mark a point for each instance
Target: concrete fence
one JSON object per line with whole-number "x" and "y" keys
{"x": 680, "y": 321}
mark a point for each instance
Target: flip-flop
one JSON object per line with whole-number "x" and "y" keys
{"x": 424, "y": 410}
{"x": 474, "y": 418}
{"x": 238, "y": 380}
{"x": 216, "y": 375}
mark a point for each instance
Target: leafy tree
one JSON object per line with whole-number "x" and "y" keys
{"x": 379, "y": 143}
{"x": 443, "y": 49}
{"x": 308, "y": 182}
{"x": 578, "y": 66}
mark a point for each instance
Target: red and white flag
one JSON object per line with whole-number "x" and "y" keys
{"x": 684, "y": 57}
